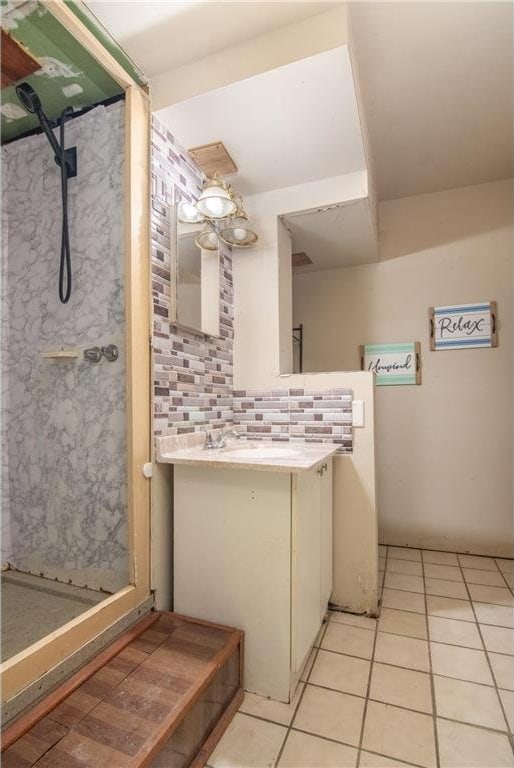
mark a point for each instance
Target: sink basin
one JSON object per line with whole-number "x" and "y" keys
{"x": 263, "y": 452}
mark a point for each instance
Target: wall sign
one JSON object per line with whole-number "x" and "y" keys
{"x": 461, "y": 326}
{"x": 392, "y": 363}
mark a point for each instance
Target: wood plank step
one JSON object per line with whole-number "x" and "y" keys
{"x": 161, "y": 695}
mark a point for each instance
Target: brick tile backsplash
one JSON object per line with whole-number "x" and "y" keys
{"x": 193, "y": 373}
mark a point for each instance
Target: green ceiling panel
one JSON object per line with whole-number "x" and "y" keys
{"x": 70, "y": 76}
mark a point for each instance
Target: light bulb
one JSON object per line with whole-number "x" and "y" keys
{"x": 239, "y": 233}
{"x": 214, "y": 205}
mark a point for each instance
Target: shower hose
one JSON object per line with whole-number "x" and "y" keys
{"x": 65, "y": 265}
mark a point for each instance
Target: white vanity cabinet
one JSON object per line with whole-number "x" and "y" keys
{"x": 253, "y": 549}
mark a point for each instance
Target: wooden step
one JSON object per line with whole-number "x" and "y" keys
{"x": 161, "y": 695}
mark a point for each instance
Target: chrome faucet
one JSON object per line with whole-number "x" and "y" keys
{"x": 221, "y": 440}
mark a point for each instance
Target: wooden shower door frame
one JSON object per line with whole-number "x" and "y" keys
{"x": 30, "y": 664}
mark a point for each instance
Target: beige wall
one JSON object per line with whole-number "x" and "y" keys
{"x": 262, "y": 350}
{"x": 444, "y": 449}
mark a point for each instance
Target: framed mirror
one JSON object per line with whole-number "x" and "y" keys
{"x": 196, "y": 283}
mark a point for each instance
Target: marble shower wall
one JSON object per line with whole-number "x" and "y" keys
{"x": 63, "y": 494}
{"x": 192, "y": 372}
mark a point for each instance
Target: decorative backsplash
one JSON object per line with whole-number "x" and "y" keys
{"x": 296, "y": 414}
{"x": 192, "y": 372}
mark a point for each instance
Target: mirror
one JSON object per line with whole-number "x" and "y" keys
{"x": 333, "y": 251}
{"x": 197, "y": 279}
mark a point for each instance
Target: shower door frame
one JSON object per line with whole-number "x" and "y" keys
{"x": 30, "y": 664}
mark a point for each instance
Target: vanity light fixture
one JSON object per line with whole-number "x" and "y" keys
{"x": 223, "y": 214}
{"x": 188, "y": 214}
{"x": 208, "y": 238}
{"x": 216, "y": 200}
{"x": 237, "y": 232}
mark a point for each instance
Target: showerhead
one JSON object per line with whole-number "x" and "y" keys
{"x": 29, "y": 98}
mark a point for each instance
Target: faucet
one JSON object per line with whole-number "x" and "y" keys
{"x": 221, "y": 440}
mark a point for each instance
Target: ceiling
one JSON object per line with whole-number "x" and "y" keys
{"x": 290, "y": 125}
{"x": 68, "y": 74}
{"x": 160, "y": 36}
{"x": 340, "y": 236}
{"x": 436, "y": 82}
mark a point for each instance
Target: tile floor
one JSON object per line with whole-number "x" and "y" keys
{"x": 428, "y": 684}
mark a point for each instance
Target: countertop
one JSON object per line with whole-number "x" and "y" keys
{"x": 296, "y": 457}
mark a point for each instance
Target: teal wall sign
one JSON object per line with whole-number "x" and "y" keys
{"x": 393, "y": 364}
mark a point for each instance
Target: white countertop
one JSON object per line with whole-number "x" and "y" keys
{"x": 249, "y": 454}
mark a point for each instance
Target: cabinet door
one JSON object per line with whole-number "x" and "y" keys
{"x": 326, "y": 536}
{"x": 305, "y": 566}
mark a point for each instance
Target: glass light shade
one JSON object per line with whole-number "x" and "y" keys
{"x": 188, "y": 214}
{"x": 237, "y": 232}
{"x": 207, "y": 239}
{"x": 216, "y": 202}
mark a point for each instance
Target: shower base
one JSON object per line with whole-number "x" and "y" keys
{"x": 33, "y": 606}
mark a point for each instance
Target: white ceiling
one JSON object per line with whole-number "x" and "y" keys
{"x": 160, "y": 36}
{"x": 287, "y": 126}
{"x": 336, "y": 237}
{"x": 436, "y": 81}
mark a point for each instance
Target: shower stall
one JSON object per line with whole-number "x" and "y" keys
{"x": 74, "y": 330}
{"x": 64, "y": 488}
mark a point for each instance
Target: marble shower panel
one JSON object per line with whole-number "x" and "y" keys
{"x": 64, "y": 478}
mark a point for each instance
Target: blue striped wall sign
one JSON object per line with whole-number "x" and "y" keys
{"x": 461, "y": 326}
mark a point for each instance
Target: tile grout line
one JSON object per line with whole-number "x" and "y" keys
{"x": 511, "y": 589}
{"x": 499, "y": 698}
{"x": 431, "y": 671}
{"x": 370, "y": 673}
{"x": 316, "y": 649}
{"x": 452, "y": 618}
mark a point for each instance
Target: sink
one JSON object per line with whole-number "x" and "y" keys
{"x": 261, "y": 452}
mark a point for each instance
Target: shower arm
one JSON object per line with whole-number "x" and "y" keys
{"x": 70, "y": 155}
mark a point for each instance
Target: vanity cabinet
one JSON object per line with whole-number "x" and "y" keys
{"x": 253, "y": 549}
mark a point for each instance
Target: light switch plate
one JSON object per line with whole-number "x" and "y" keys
{"x": 357, "y": 413}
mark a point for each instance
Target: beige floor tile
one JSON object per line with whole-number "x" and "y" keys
{"x": 403, "y": 623}
{"x": 445, "y": 588}
{"x": 468, "y": 702}
{"x": 505, "y": 565}
{"x": 403, "y": 601}
{"x": 409, "y": 567}
{"x": 447, "y": 572}
{"x": 310, "y": 661}
{"x": 304, "y": 751}
{"x": 403, "y": 687}
{"x": 382, "y": 550}
{"x": 403, "y": 651}
{"x": 381, "y": 563}
{"x": 507, "y": 698}
{"x": 353, "y": 620}
{"x": 330, "y": 714}
{"x": 404, "y": 553}
{"x": 341, "y": 673}
{"x": 474, "y": 561}
{"x": 319, "y": 636}
{"x": 399, "y": 733}
{"x": 464, "y": 663}
{"x": 439, "y": 558}
{"x": 353, "y": 641}
{"x": 503, "y": 670}
{"x": 499, "y": 615}
{"x": 498, "y": 639}
{"x": 369, "y": 760}
{"x": 248, "y": 743}
{"x": 496, "y": 595}
{"x": 491, "y": 578}
{"x": 449, "y": 608}
{"x": 462, "y": 746}
{"x": 404, "y": 581}
{"x": 454, "y": 632}
{"x": 270, "y": 709}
